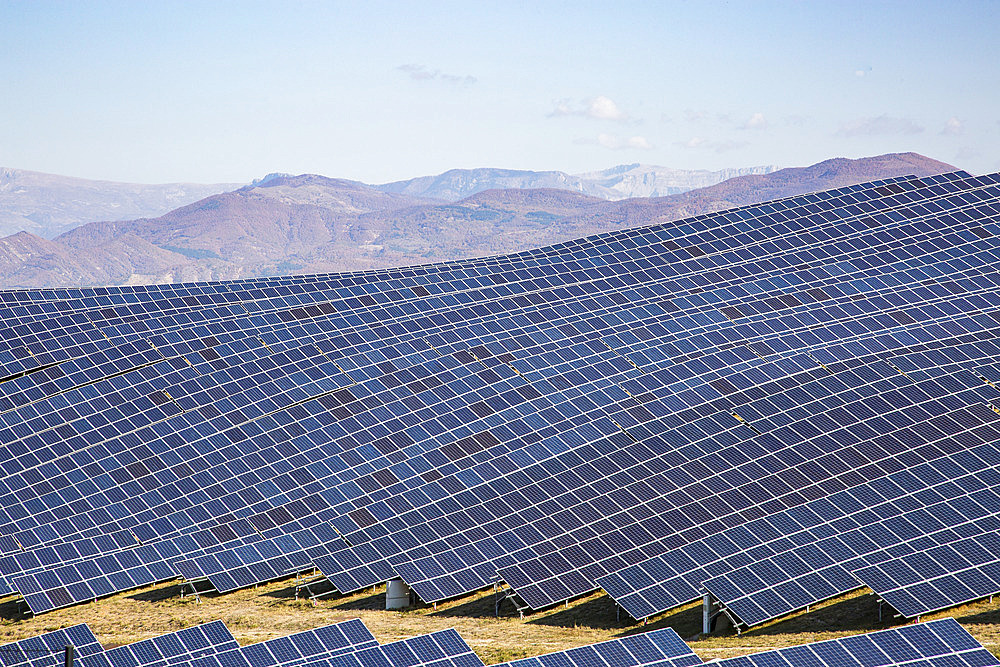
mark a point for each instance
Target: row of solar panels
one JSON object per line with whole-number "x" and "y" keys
{"x": 351, "y": 644}
{"x": 637, "y": 411}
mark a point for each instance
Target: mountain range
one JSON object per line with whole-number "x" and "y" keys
{"x": 48, "y": 205}
{"x": 309, "y": 223}
{"x": 622, "y": 182}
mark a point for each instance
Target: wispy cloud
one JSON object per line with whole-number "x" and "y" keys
{"x": 863, "y": 72}
{"x": 879, "y": 125}
{"x": 703, "y": 115}
{"x": 598, "y": 108}
{"x": 422, "y": 73}
{"x": 615, "y": 142}
{"x": 716, "y": 145}
{"x": 953, "y": 127}
{"x": 755, "y": 122}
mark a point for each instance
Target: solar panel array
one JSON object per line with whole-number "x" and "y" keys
{"x": 350, "y": 644}
{"x": 777, "y": 403}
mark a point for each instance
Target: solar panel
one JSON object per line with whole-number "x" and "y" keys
{"x": 832, "y": 523}
{"x": 939, "y": 576}
{"x": 168, "y": 649}
{"x": 309, "y": 647}
{"x": 316, "y": 646}
{"x": 956, "y": 497}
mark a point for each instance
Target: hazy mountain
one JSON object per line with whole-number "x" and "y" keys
{"x": 306, "y": 224}
{"x": 457, "y": 184}
{"x": 275, "y": 227}
{"x": 621, "y": 182}
{"x": 48, "y": 205}
{"x": 644, "y": 180}
{"x": 744, "y": 190}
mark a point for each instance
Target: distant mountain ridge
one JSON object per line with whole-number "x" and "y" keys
{"x": 456, "y": 184}
{"x": 644, "y": 180}
{"x": 620, "y": 182}
{"x": 313, "y": 224}
{"x": 47, "y": 205}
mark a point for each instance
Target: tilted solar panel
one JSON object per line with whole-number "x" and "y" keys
{"x": 941, "y": 575}
{"x": 168, "y": 649}
{"x": 309, "y": 647}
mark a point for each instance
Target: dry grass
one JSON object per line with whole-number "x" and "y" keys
{"x": 271, "y": 611}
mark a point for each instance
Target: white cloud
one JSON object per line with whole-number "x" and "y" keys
{"x": 755, "y": 122}
{"x": 422, "y": 73}
{"x": 639, "y": 142}
{"x": 717, "y": 145}
{"x": 861, "y": 73}
{"x": 601, "y": 107}
{"x": 953, "y": 127}
{"x": 562, "y": 109}
{"x": 879, "y": 125}
{"x": 604, "y": 108}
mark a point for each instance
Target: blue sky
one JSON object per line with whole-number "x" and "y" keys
{"x": 229, "y": 91}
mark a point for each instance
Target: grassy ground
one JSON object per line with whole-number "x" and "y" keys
{"x": 271, "y": 611}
